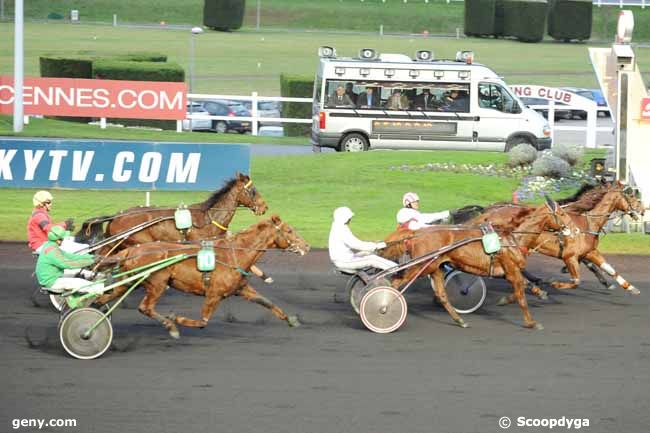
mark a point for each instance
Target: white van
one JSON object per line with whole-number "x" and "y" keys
{"x": 391, "y": 101}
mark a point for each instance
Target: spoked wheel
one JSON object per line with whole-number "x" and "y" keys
{"x": 383, "y": 310}
{"x": 73, "y": 329}
{"x": 466, "y": 292}
{"x": 357, "y": 289}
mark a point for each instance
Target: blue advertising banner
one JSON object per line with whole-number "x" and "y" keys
{"x": 91, "y": 164}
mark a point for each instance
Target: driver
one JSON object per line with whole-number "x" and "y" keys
{"x": 347, "y": 252}
{"x": 40, "y": 223}
{"x": 55, "y": 266}
{"x": 410, "y": 217}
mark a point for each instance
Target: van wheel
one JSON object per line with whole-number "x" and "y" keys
{"x": 516, "y": 141}
{"x": 354, "y": 143}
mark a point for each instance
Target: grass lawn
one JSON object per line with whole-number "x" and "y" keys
{"x": 246, "y": 61}
{"x": 436, "y": 16}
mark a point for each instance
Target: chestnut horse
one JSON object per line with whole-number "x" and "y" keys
{"x": 210, "y": 218}
{"x": 507, "y": 262}
{"x": 602, "y": 202}
{"x": 234, "y": 257}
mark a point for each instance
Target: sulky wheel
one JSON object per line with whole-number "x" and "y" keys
{"x": 383, "y": 309}
{"x": 357, "y": 288}
{"x": 57, "y": 302}
{"x": 466, "y": 292}
{"x": 72, "y": 331}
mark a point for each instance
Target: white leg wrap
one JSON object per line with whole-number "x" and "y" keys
{"x": 608, "y": 268}
{"x": 620, "y": 280}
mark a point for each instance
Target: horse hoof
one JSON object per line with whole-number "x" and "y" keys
{"x": 543, "y": 295}
{"x": 174, "y": 334}
{"x": 538, "y": 327}
{"x": 502, "y": 301}
{"x": 293, "y": 321}
{"x": 633, "y": 290}
{"x": 462, "y": 323}
{"x": 611, "y": 287}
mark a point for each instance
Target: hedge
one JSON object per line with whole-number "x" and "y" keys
{"x": 66, "y": 67}
{"x": 525, "y": 19}
{"x": 142, "y": 57}
{"x": 499, "y": 14}
{"x": 292, "y": 86}
{"x": 223, "y": 14}
{"x": 570, "y": 19}
{"x": 110, "y": 69}
{"x": 479, "y": 17}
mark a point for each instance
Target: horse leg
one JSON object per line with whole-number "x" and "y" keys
{"x": 438, "y": 286}
{"x": 595, "y": 257}
{"x": 534, "y": 283}
{"x": 261, "y": 274}
{"x": 573, "y": 265}
{"x": 597, "y": 272}
{"x": 516, "y": 279}
{"x": 209, "y": 306}
{"x": 250, "y": 294}
{"x": 148, "y": 304}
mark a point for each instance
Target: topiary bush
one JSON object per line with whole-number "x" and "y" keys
{"x": 223, "y": 15}
{"x": 521, "y": 154}
{"x": 479, "y": 17}
{"x": 292, "y": 86}
{"x": 570, "y": 19}
{"x": 66, "y": 67}
{"x": 525, "y": 19}
{"x": 571, "y": 153}
{"x": 548, "y": 165}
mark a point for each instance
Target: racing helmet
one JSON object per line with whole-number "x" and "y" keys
{"x": 57, "y": 233}
{"x": 409, "y": 198}
{"x": 343, "y": 214}
{"x": 41, "y": 197}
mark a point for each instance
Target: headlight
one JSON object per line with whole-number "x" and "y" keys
{"x": 546, "y": 130}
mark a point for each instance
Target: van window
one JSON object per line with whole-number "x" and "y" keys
{"x": 496, "y": 97}
{"x": 395, "y": 95}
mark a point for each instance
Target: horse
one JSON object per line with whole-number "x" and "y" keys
{"x": 507, "y": 262}
{"x": 234, "y": 257}
{"x": 210, "y": 218}
{"x": 597, "y": 205}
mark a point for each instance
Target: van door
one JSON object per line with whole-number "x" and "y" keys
{"x": 499, "y": 116}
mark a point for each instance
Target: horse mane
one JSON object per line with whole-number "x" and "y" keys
{"x": 216, "y": 196}
{"x": 586, "y": 187}
{"x": 590, "y": 197}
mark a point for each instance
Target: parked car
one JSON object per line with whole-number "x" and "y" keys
{"x": 222, "y": 107}
{"x": 560, "y": 113}
{"x": 265, "y": 109}
{"x": 200, "y": 118}
{"x": 594, "y": 95}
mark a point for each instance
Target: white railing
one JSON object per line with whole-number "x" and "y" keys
{"x": 253, "y": 118}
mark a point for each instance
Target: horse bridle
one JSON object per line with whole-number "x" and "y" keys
{"x": 252, "y": 193}
{"x": 293, "y": 247}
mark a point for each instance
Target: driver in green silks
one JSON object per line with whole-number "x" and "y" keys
{"x": 57, "y": 270}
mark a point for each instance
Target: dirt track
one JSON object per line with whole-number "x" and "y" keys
{"x": 254, "y": 374}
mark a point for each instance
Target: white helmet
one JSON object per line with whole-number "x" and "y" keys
{"x": 41, "y": 197}
{"x": 343, "y": 214}
{"x": 409, "y": 198}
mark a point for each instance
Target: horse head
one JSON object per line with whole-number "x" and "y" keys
{"x": 286, "y": 238}
{"x": 249, "y": 197}
{"x": 623, "y": 198}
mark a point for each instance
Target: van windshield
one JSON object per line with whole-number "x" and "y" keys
{"x": 395, "y": 95}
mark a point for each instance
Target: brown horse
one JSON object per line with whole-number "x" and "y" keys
{"x": 599, "y": 203}
{"x": 471, "y": 258}
{"x": 234, "y": 257}
{"x": 210, "y": 218}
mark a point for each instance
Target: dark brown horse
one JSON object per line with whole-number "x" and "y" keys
{"x": 589, "y": 214}
{"x": 210, "y": 218}
{"x": 234, "y": 257}
{"x": 507, "y": 262}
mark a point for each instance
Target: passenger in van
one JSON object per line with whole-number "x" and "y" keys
{"x": 349, "y": 90}
{"x": 369, "y": 99}
{"x": 425, "y": 101}
{"x": 397, "y": 101}
{"x": 340, "y": 99}
{"x": 457, "y": 101}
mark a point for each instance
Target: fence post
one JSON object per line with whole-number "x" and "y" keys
{"x": 551, "y": 118}
{"x": 381, "y": 30}
{"x": 254, "y": 112}
{"x": 179, "y": 126}
{"x": 102, "y": 123}
{"x": 592, "y": 116}
{"x": 114, "y": 20}
{"x": 26, "y": 120}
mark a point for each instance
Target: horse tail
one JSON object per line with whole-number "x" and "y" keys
{"x": 466, "y": 213}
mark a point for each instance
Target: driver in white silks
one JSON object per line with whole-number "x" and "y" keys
{"x": 347, "y": 252}
{"x": 410, "y": 217}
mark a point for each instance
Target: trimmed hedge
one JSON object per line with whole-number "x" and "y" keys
{"x": 525, "y": 19}
{"x": 499, "y": 17}
{"x": 479, "y": 17}
{"x": 66, "y": 67}
{"x": 223, "y": 14}
{"x": 292, "y": 86}
{"x": 142, "y": 57}
{"x": 109, "y": 69}
{"x": 570, "y": 19}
